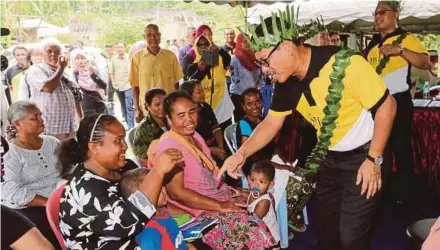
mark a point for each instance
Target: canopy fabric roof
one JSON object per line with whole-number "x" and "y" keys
{"x": 247, "y": 3}
{"x": 356, "y": 15}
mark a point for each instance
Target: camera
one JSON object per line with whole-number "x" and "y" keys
{"x": 211, "y": 57}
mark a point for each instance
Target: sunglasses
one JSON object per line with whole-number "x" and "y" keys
{"x": 265, "y": 62}
{"x": 203, "y": 44}
{"x": 381, "y": 12}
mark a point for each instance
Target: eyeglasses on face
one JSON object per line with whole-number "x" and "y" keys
{"x": 265, "y": 62}
{"x": 381, "y": 12}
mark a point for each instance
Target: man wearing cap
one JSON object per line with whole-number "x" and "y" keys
{"x": 337, "y": 91}
{"x": 392, "y": 53}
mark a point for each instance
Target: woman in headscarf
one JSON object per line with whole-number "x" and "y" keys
{"x": 191, "y": 55}
{"x": 212, "y": 78}
{"x": 91, "y": 84}
{"x": 245, "y": 74}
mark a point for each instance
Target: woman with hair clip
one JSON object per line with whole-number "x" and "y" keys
{"x": 92, "y": 213}
{"x": 31, "y": 173}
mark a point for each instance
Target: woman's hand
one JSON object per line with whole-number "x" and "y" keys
{"x": 219, "y": 152}
{"x": 168, "y": 160}
{"x": 201, "y": 66}
{"x": 230, "y": 206}
{"x": 92, "y": 70}
{"x": 240, "y": 192}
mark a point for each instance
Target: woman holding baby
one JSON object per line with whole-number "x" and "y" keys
{"x": 93, "y": 215}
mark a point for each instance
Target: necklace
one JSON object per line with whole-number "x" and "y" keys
{"x": 31, "y": 146}
{"x": 383, "y": 62}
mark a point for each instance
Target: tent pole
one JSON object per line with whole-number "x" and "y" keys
{"x": 246, "y": 6}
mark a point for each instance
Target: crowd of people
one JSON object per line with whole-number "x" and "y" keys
{"x": 60, "y": 132}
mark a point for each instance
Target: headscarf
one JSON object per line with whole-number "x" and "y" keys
{"x": 199, "y": 32}
{"x": 85, "y": 81}
{"x": 139, "y": 45}
{"x": 219, "y": 74}
{"x": 244, "y": 55}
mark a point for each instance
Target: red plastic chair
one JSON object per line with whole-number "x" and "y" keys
{"x": 52, "y": 212}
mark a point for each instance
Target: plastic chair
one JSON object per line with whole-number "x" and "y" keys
{"x": 52, "y": 213}
{"x": 230, "y": 135}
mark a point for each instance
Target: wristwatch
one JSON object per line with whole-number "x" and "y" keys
{"x": 376, "y": 160}
{"x": 401, "y": 47}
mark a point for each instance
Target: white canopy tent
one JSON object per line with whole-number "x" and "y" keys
{"x": 356, "y": 15}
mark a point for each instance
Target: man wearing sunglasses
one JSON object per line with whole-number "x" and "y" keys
{"x": 350, "y": 175}
{"x": 392, "y": 53}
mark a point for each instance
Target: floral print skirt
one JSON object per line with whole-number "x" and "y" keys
{"x": 237, "y": 230}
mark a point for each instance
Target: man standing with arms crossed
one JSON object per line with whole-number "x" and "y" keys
{"x": 336, "y": 91}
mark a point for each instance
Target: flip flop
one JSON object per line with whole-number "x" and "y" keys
{"x": 295, "y": 227}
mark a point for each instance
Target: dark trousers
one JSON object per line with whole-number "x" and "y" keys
{"x": 345, "y": 218}
{"x": 238, "y": 111}
{"x": 110, "y": 91}
{"x": 38, "y": 216}
{"x": 401, "y": 147}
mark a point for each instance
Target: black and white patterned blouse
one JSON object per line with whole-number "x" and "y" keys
{"x": 94, "y": 216}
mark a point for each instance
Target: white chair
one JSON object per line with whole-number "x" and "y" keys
{"x": 230, "y": 135}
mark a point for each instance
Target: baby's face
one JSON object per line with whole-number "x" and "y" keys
{"x": 163, "y": 198}
{"x": 260, "y": 181}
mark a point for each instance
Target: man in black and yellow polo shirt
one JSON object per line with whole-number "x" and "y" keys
{"x": 349, "y": 179}
{"x": 392, "y": 53}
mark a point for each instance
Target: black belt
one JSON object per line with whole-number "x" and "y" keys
{"x": 360, "y": 149}
{"x": 402, "y": 94}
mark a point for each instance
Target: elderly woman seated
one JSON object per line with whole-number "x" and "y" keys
{"x": 196, "y": 189}
{"x": 30, "y": 173}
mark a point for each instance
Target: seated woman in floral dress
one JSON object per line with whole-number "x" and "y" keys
{"x": 93, "y": 215}
{"x": 195, "y": 188}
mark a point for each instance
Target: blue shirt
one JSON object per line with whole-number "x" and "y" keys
{"x": 158, "y": 232}
{"x": 242, "y": 78}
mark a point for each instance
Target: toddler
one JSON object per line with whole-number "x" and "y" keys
{"x": 260, "y": 202}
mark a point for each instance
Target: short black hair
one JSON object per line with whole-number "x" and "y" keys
{"x": 264, "y": 167}
{"x": 131, "y": 180}
{"x": 189, "y": 86}
{"x": 152, "y": 26}
{"x": 151, "y": 93}
{"x": 172, "y": 98}
{"x": 248, "y": 92}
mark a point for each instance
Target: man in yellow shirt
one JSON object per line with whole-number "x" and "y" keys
{"x": 392, "y": 53}
{"x": 350, "y": 174}
{"x": 152, "y": 67}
